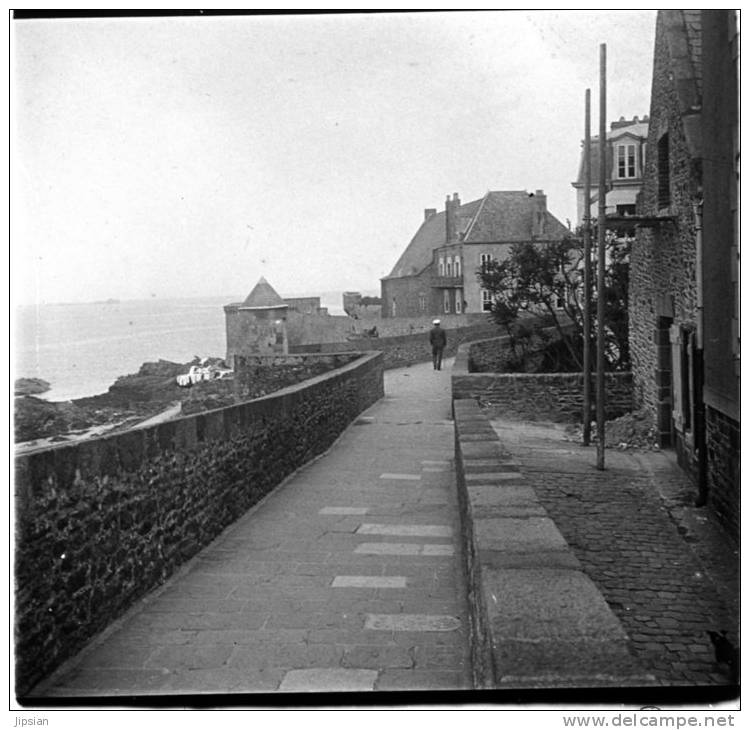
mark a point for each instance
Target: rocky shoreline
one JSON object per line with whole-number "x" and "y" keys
{"x": 130, "y": 400}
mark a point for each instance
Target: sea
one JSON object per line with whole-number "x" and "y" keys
{"x": 80, "y": 349}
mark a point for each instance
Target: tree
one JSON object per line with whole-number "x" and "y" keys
{"x": 544, "y": 282}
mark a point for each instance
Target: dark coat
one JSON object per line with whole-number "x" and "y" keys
{"x": 438, "y": 338}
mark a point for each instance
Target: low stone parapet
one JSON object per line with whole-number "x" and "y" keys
{"x": 535, "y": 396}
{"x": 537, "y": 620}
{"x": 404, "y": 350}
{"x": 101, "y": 522}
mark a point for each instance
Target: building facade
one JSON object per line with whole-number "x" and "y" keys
{"x": 684, "y": 336}
{"x": 625, "y": 148}
{"x": 437, "y": 273}
{"x": 257, "y": 326}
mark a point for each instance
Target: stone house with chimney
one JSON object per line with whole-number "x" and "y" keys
{"x": 437, "y": 272}
{"x": 684, "y": 297}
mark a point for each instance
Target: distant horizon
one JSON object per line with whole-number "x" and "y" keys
{"x": 229, "y": 299}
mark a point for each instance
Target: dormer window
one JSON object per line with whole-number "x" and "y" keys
{"x": 625, "y": 161}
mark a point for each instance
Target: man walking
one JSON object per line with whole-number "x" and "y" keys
{"x": 438, "y": 341}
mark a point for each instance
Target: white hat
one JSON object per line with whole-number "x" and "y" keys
{"x": 435, "y": 321}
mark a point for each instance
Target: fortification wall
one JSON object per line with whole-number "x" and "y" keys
{"x": 101, "y": 522}
{"x": 403, "y": 350}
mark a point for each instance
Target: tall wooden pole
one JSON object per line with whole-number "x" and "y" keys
{"x": 600, "y": 256}
{"x": 587, "y": 275}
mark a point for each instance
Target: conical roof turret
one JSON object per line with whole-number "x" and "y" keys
{"x": 263, "y": 296}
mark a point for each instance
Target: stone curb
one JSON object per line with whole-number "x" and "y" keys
{"x": 536, "y": 620}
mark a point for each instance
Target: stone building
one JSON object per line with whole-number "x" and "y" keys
{"x": 437, "y": 272}
{"x": 625, "y": 150}
{"x": 684, "y": 335}
{"x": 305, "y": 305}
{"x": 257, "y": 326}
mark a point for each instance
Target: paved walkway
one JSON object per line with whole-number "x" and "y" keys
{"x": 662, "y": 565}
{"x": 347, "y": 577}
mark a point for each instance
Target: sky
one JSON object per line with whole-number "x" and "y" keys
{"x": 188, "y": 157}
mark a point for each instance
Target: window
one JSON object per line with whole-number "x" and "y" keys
{"x": 449, "y": 266}
{"x": 393, "y": 307}
{"x": 486, "y": 301}
{"x": 422, "y": 302}
{"x": 441, "y": 267}
{"x": 484, "y": 260}
{"x": 459, "y": 298}
{"x": 664, "y": 195}
{"x": 447, "y": 301}
{"x": 625, "y": 160}
{"x": 457, "y": 266}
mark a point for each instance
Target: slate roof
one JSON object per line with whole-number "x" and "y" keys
{"x": 500, "y": 216}
{"x": 263, "y": 296}
{"x": 507, "y": 216}
{"x": 429, "y": 236}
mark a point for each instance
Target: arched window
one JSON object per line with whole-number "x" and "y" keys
{"x": 441, "y": 267}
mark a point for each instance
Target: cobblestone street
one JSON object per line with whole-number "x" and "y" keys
{"x": 661, "y": 564}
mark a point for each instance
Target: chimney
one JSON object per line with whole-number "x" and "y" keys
{"x": 539, "y": 213}
{"x": 429, "y": 212}
{"x": 450, "y": 218}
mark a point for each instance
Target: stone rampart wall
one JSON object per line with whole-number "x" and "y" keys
{"x": 102, "y": 522}
{"x": 545, "y": 396}
{"x": 312, "y": 329}
{"x": 258, "y": 375}
{"x": 406, "y": 349}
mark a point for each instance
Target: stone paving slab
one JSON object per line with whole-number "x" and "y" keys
{"x": 538, "y": 604}
{"x": 484, "y": 450}
{"x": 497, "y": 559}
{"x": 411, "y": 622}
{"x": 496, "y": 477}
{"x": 280, "y": 602}
{"x": 327, "y": 680}
{"x": 514, "y": 535}
{"x": 405, "y": 530}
